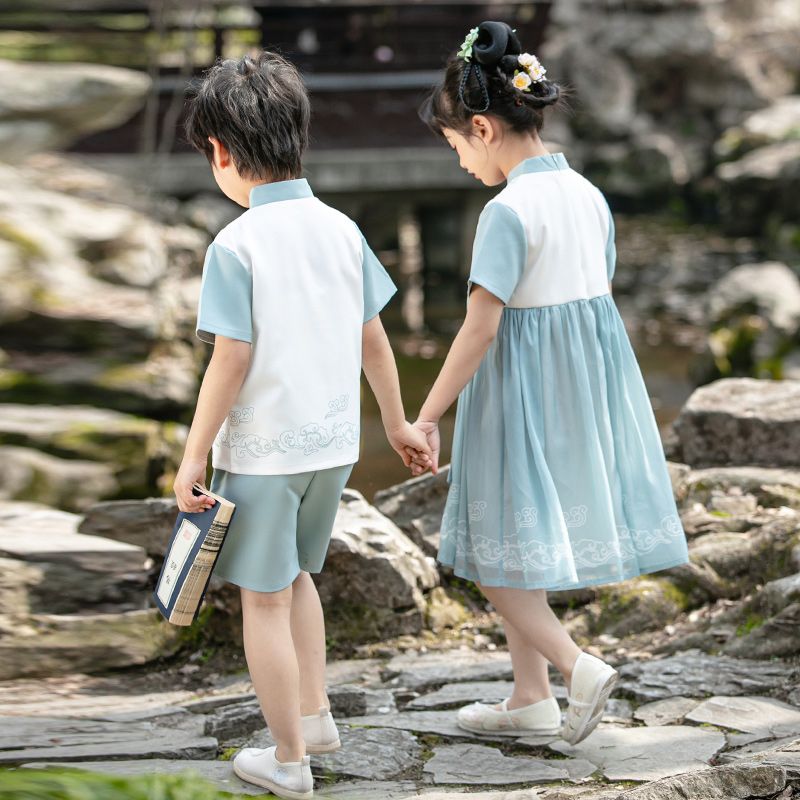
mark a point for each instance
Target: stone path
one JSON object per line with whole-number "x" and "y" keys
{"x": 685, "y": 725}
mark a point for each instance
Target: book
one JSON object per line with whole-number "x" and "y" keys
{"x": 194, "y": 547}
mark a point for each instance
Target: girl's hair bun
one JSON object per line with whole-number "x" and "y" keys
{"x": 495, "y": 40}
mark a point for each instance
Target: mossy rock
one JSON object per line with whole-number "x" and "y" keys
{"x": 639, "y": 604}
{"x": 140, "y": 451}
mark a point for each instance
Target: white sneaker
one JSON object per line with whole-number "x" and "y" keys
{"x": 541, "y": 718}
{"x": 592, "y": 682}
{"x": 320, "y": 732}
{"x": 291, "y": 780}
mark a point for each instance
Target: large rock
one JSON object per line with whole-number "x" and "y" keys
{"x": 416, "y": 507}
{"x": 71, "y": 484}
{"x": 375, "y": 577}
{"x": 53, "y": 644}
{"x": 769, "y": 487}
{"x": 48, "y": 106}
{"x": 734, "y": 782}
{"x": 147, "y": 523}
{"x": 694, "y": 68}
{"x": 777, "y": 122}
{"x": 741, "y": 421}
{"x": 163, "y": 384}
{"x": 639, "y": 604}
{"x": 138, "y": 450}
{"x": 50, "y": 568}
{"x": 754, "y": 313}
{"x": 56, "y": 292}
{"x": 760, "y": 188}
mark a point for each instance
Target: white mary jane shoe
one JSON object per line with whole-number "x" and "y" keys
{"x": 590, "y": 687}
{"x": 542, "y": 718}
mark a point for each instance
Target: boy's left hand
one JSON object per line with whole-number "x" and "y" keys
{"x": 191, "y": 471}
{"x": 408, "y": 438}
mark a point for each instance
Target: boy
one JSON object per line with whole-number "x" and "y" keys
{"x": 290, "y": 299}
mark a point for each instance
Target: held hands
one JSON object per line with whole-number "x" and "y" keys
{"x": 431, "y": 431}
{"x": 191, "y": 470}
{"x": 410, "y": 444}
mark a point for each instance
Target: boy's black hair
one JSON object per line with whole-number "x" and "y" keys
{"x": 258, "y": 108}
{"x": 484, "y": 85}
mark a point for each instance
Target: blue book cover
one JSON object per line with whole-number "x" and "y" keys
{"x": 194, "y": 547}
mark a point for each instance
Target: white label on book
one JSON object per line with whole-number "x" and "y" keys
{"x": 176, "y": 558}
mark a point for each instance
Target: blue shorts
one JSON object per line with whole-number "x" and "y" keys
{"x": 282, "y": 525}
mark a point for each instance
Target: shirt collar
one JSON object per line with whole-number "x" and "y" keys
{"x": 279, "y": 190}
{"x": 551, "y": 161}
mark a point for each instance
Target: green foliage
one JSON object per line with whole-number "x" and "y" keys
{"x": 79, "y": 784}
{"x": 751, "y": 622}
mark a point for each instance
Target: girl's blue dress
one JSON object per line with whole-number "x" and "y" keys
{"x": 558, "y": 477}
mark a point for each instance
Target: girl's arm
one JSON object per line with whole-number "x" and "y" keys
{"x": 377, "y": 360}
{"x": 224, "y": 377}
{"x": 469, "y": 347}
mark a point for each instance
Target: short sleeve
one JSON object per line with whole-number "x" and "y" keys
{"x": 500, "y": 251}
{"x": 226, "y": 297}
{"x": 378, "y": 286}
{"x": 611, "y": 248}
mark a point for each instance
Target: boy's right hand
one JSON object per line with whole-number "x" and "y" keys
{"x": 431, "y": 431}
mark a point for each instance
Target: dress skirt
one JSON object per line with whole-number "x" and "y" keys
{"x": 558, "y": 477}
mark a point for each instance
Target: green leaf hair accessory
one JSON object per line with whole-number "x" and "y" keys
{"x": 466, "y": 48}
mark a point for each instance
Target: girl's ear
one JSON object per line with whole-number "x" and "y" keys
{"x": 483, "y": 128}
{"x": 221, "y": 156}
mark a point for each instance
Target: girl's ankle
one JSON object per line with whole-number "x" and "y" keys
{"x": 289, "y": 755}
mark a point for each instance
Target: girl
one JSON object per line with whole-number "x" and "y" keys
{"x": 558, "y": 478}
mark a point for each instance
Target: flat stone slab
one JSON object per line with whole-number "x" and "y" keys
{"x": 697, "y": 674}
{"x": 456, "y": 694}
{"x": 646, "y": 754}
{"x": 442, "y": 723}
{"x": 749, "y": 714}
{"x": 755, "y": 748}
{"x": 372, "y": 754}
{"x": 669, "y": 711}
{"x": 424, "y": 671}
{"x": 477, "y": 765}
{"x": 81, "y": 695}
{"x": 351, "y": 700}
{"x": 369, "y": 790}
{"x": 27, "y": 739}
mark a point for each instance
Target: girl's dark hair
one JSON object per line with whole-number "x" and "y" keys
{"x": 258, "y": 108}
{"x": 484, "y": 85}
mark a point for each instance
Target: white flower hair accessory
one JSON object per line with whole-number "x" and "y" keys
{"x": 532, "y": 72}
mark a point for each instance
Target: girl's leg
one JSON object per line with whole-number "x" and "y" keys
{"x": 531, "y": 681}
{"x": 529, "y": 613}
{"x": 308, "y": 634}
{"x": 272, "y": 662}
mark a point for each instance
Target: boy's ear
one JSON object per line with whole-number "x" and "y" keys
{"x": 221, "y": 156}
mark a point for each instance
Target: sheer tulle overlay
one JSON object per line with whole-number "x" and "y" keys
{"x": 558, "y": 476}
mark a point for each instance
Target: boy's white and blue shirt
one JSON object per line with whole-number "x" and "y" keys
{"x": 558, "y": 478}
{"x": 296, "y": 279}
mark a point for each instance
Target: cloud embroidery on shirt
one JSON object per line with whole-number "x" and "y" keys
{"x": 309, "y": 439}
{"x": 338, "y": 405}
